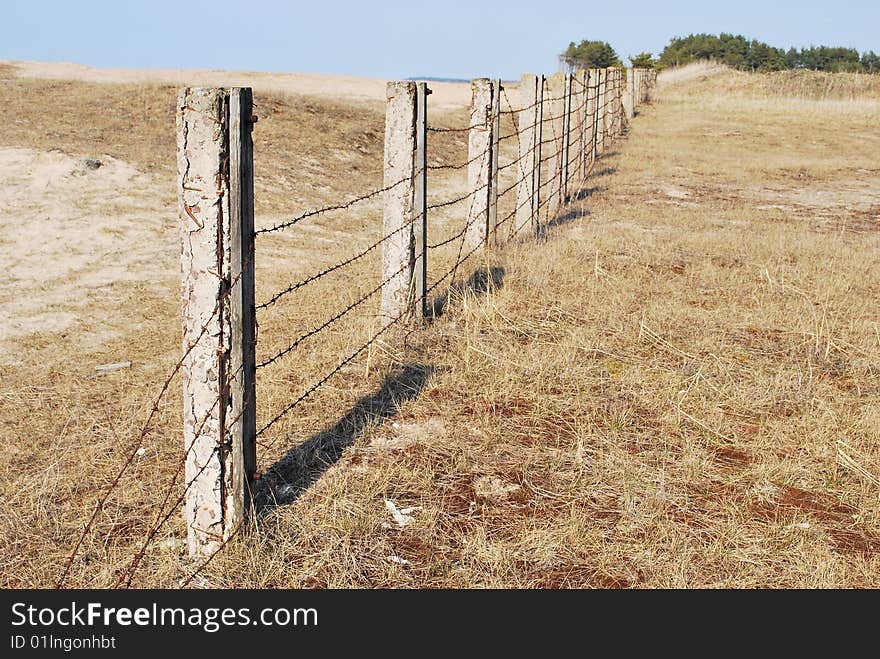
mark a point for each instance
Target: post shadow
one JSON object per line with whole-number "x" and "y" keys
{"x": 481, "y": 280}
{"x": 305, "y": 463}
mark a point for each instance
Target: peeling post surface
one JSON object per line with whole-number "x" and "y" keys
{"x": 215, "y": 212}
{"x": 525, "y": 191}
{"x": 397, "y": 250}
{"x": 479, "y": 157}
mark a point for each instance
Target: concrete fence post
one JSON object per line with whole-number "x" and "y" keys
{"x": 629, "y": 94}
{"x": 480, "y": 159}
{"x": 216, "y": 224}
{"x": 566, "y": 139}
{"x": 400, "y": 176}
{"x": 621, "y": 112}
{"x": 635, "y": 86}
{"x": 602, "y": 105}
{"x": 525, "y": 191}
{"x": 610, "y": 101}
{"x": 556, "y": 109}
{"x": 586, "y": 119}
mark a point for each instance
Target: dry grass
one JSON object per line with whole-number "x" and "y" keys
{"x": 677, "y": 389}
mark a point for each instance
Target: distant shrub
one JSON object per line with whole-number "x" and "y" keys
{"x": 752, "y": 55}
{"x": 642, "y": 61}
{"x": 590, "y": 55}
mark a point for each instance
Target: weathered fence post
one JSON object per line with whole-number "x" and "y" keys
{"x": 525, "y": 191}
{"x": 539, "y": 138}
{"x": 479, "y": 157}
{"x": 629, "y": 95}
{"x": 566, "y": 138}
{"x": 215, "y": 196}
{"x": 555, "y": 107}
{"x": 400, "y": 175}
{"x": 582, "y": 126}
{"x": 618, "y": 101}
{"x": 609, "y": 111}
{"x": 589, "y": 123}
{"x": 610, "y": 102}
{"x": 600, "y": 111}
{"x": 420, "y": 223}
{"x": 493, "y": 172}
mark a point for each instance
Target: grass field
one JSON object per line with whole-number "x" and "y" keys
{"x": 678, "y": 388}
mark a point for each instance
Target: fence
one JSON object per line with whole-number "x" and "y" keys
{"x": 525, "y": 158}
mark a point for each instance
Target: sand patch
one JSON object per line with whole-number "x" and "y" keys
{"x": 72, "y": 226}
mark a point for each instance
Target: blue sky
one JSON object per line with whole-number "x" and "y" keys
{"x": 400, "y": 39}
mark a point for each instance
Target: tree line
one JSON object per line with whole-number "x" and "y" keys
{"x": 733, "y": 50}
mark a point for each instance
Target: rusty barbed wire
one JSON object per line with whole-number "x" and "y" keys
{"x": 333, "y": 268}
{"x": 102, "y": 500}
{"x": 329, "y": 209}
{"x": 613, "y": 128}
{"x": 331, "y": 320}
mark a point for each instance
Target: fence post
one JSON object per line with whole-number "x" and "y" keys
{"x": 556, "y": 106}
{"x": 582, "y": 126}
{"x": 479, "y": 157}
{"x": 398, "y": 219}
{"x": 600, "y": 110}
{"x": 493, "y": 172}
{"x": 618, "y": 96}
{"x": 539, "y": 138}
{"x": 566, "y": 138}
{"x": 629, "y": 95}
{"x": 606, "y": 105}
{"x": 590, "y": 116}
{"x": 215, "y": 212}
{"x": 525, "y": 191}
{"x": 420, "y": 224}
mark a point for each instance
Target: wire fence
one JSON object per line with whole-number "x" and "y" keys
{"x": 311, "y": 329}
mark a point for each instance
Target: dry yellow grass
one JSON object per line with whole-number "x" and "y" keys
{"x": 677, "y": 389}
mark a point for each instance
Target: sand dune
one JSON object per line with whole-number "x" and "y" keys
{"x": 445, "y": 96}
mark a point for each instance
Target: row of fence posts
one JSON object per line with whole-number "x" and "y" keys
{"x": 216, "y": 222}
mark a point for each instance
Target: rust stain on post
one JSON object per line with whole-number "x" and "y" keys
{"x": 216, "y": 238}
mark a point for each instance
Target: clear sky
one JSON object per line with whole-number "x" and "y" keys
{"x": 401, "y": 39}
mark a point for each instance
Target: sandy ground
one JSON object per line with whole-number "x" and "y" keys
{"x": 445, "y": 95}
{"x": 71, "y": 231}
{"x": 71, "y": 227}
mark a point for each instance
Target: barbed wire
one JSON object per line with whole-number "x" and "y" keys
{"x": 613, "y": 128}
{"x": 154, "y": 409}
{"x": 333, "y": 268}
{"x": 286, "y": 409}
{"x": 330, "y": 321}
{"x": 329, "y": 209}
{"x": 128, "y": 574}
